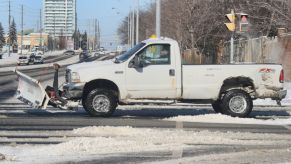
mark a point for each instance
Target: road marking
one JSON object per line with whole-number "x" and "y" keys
{"x": 179, "y": 125}
{"x": 287, "y": 127}
{"x": 178, "y": 153}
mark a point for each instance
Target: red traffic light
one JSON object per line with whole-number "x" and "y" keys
{"x": 243, "y": 23}
{"x": 244, "y": 19}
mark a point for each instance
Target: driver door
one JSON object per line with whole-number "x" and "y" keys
{"x": 155, "y": 76}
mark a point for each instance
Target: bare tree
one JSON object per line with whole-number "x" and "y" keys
{"x": 200, "y": 23}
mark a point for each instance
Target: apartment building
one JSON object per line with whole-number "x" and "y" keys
{"x": 59, "y": 17}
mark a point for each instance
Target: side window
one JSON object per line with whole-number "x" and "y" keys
{"x": 157, "y": 54}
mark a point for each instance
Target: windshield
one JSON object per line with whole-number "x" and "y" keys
{"x": 123, "y": 57}
{"x": 38, "y": 57}
{"x": 22, "y": 57}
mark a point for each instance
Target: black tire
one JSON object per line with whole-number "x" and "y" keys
{"x": 216, "y": 106}
{"x": 237, "y": 103}
{"x": 84, "y": 97}
{"x": 103, "y": 97}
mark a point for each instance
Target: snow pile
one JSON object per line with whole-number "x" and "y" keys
{"x": 98, "y": 142}
{"x": 68, "y": 61}
{"x": 53, "y": 53}
{"x": 220, "y": 118}
{"x": 12, "y": 59}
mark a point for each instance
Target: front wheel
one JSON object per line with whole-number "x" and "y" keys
{"x": 237, "y": 103}
{"x": 100, "y": 102}
{"x": 216, "y": 106}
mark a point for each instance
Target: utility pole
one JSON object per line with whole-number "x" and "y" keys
{"x": 96, "y": 35}
{"x": 99, "y": 35}
{"x": 133, "y": 28}
{"x": 158, "y": 18}
{"x": 231, "y": 27}
{"x": 40, "y": 27}
{"x": 88, "y": 34}
{"x": 128, "y": 31}
{"x": 21, "y": 29}
{"x": 54, "y": 39}
{"x": 137, "y": 23}
{"x": 9, "y": 22}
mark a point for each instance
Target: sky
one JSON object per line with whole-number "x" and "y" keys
{"x": 110, "y": 14}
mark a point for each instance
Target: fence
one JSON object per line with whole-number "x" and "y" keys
{"x": 257, "y": 50}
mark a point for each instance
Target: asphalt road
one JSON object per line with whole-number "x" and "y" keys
{"x": 21, "y": 124}
{"x": 21, "y": 117}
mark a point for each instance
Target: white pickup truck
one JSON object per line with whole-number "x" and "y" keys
{"x": 153, "y": 70}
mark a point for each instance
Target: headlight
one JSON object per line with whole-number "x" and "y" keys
{"x": 75, "y": 78}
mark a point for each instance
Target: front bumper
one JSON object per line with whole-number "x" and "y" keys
{"x": 73, "y": 90}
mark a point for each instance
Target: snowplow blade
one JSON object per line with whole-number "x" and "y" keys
{"x": 31, "y": 92}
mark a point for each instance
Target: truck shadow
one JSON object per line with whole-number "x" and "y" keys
{"x": 161, "y": 113}
{"x": 170, "y": 112}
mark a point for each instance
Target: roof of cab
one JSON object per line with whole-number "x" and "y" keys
{"x": 159, "y": 40}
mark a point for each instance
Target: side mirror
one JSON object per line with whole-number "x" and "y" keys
{"x": 134, "y": 63}
{"x": 137, "y": 63}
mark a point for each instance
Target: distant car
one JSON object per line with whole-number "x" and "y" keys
{"x": 23, "y": 60}
{"x": 31, "y": 57}
{"x": 38, "y": 59}
{"x": 84, "y": 54}
{"x": 69, "y": 52}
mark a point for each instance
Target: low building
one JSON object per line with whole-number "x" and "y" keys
{"x": 32, "y": 40}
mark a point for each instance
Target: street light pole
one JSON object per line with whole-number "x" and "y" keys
{"x": 137, "y": 22}
{"x": 133, "y": 27}
{"x": 21, "y": 29}
{"x": 158, "y": 18}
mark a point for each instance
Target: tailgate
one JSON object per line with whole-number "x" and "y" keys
{"x": 31, "y": 92}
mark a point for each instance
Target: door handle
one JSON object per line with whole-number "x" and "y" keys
{"x": 172, "y": 72}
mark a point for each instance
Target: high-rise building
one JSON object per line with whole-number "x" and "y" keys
{"x": 59, "y": 17}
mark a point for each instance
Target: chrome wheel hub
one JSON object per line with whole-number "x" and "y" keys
{"x": 101, "y": 103}
{"x": 237, "y": 104}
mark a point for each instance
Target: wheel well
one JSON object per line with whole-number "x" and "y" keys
{"x": 100, "y": 83}
{"x": 244, "y": 83}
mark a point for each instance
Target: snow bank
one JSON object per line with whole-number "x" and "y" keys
{"x": 68, "y": 61}
{"x": 53, "y": 53}
{"x": 220, "y": 118}
{"x": 12, "y": 59}
{"x": 99, "y": 142}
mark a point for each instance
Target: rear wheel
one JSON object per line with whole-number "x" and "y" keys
{"x": 100, "y": 102}
{"x": 237, "y": 103}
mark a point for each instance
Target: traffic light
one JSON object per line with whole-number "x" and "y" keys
{"x": 244, "y": 23}
{"x": 231, "y": 18}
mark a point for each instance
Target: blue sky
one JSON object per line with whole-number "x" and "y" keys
{"x": 87, "y": 10}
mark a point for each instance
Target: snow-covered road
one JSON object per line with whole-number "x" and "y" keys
{"x": 144, "y": 134}
{"x": 99, "y": 143}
